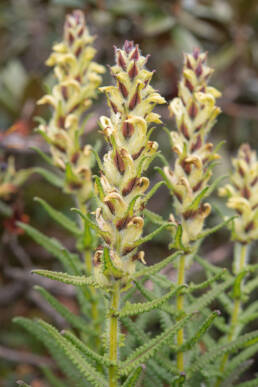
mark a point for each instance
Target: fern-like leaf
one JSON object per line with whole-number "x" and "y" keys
{"x": 75, "y": 280}
{"x": 75, "y": 321}
{"x": 141, "y": 307}
{"x": 208, "y": 297}
{"x": 241, "y": 342}
{"x": 134, "y": 378}
{"x": 201, "y": 331}
{"x": 85, "y": 350}
{"x": 60, "y": 218}
{"x": 148, "y": 350}
{"x": 86, "y": 369}
{"x": 147, "y": 271}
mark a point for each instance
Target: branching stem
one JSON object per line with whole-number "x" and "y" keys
{"x": 114, "y": 333}
{"x": 180, "y": 308}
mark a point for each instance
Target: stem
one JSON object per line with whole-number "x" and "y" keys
{"x": 239, "y": 262}
{"x": 180, "y": 308}
{"x": 114, "y": 334}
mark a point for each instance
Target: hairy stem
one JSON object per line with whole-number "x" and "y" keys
{"x": 240, "y": 261}
{"x": 114, "y": 334}
{"x": 180, "y": 308}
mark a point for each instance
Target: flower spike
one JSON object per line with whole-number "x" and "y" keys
{"x": 131, "y": 101}
{"x": 78, "y": 78}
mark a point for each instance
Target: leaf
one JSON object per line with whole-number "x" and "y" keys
{"x": 201, "y": 331}
{"x": 42, "y": 155}
{"x": 49, "y": 176}
{"x": 153, "y": 217}
{"x": 141, "y": 307}
{"x": 89, "y": 353}
{"x": 75, "y": 280}
{"x": 148, "y": 350}
{"x": 212, "y": 230}
{"x": 75, "y": 321}
{"x": 53, "y": 347}
{"x": 134, "y": 378}
{"x": 193, "y": 287}
{"x": 167, "y": 182}
{"x": 207, "y": 265}
{"x": 157, "y": 267}
{"x": 177, "y": 242}
{"x": 208, "y": 297}
{"x": 220, "y": 350}
{"x": 196, "y": 202}
{"x": 99, "y": 162}
{"x": 109, "y": 267}
{"x": 239, "y": 359}
{"x": 69, "y": 261}
{"x": 86, "y": 369}
{"x": 66, "y": 222}
{"x": 151, "y": 235}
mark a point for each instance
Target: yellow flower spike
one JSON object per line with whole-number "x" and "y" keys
{"x": 78, "y": 79}
{"x": 195, "y": 112}
{"x": 131, "y": 100}
{"x": 243, "y": 195}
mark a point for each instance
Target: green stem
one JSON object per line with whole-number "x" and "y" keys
{"x": 239, "y": 262}
{"x": 114, "y": 334}
{"x": 180, "y": 308}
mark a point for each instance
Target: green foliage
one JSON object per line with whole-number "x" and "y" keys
{"x": 63, "y": 220}
{"x": 67, "y": 278}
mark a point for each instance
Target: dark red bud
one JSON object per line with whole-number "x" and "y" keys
{"x": 135, "y": 100}
{"x": 184, "y": 130}
{"x": 123, "y": 89}
{"x": 137, "y": 154}
{"x": 249, "y": 226}
{"x": 197, "y": 144}
{"x": 128, "y": 46}
{"x": 64, "y": 93}
{"x": 128, "y": 129}
{"x": 114, "y": 107}
{"x": 196, "y": 53}
{"x": 246, "y": 192}
{"x": 193, "y": 110}
{"x": 61, "y": 122}
{"x": 75, "y": 157}
{"x": 78, "y": 52}
{"x": 70, "y": 38}
{"x": 130, "y": 185}
{"x": 198, "y": 70}
{"x": 133, "y": 71}
{"x": 189, "y": 85}
{"x": 119, "y": 163}
{"x": 111, "y": 207}
{"x": 135, "y": 55}
{"x": 121, "y": 61}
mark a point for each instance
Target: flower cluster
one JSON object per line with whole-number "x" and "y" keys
{"x": 243, "y": 194}
{"x": 78, "y": 78}
{"x": 195, "y": 113}
{"x": 121, "y": 187}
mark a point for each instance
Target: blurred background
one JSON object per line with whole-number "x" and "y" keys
{"x": 227, "y": 29}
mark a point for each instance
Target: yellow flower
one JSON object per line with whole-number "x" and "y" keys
{"x": 242, "y": 195}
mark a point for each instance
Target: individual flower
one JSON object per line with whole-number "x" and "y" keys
{"x": 78, "y": 78}
{"x": 242, "y": 194}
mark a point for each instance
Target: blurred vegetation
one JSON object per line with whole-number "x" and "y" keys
{"x": 227, "y": 29}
